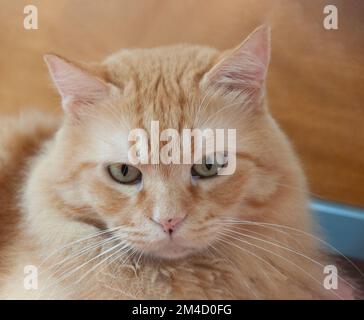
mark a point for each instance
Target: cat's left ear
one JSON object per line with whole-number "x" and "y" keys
{"x": 245, "y": 68}
{"x": 77, "y": 86}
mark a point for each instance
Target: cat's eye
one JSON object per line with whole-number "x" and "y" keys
{"x": 124, "y": 173}
{"x": 206, "y": 169}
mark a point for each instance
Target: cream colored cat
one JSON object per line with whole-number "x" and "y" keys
{"x": 93, "y": 226}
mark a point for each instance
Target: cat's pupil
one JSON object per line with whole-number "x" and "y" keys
{"x": 124, "y": 170}
{"x": 208, "y": 166}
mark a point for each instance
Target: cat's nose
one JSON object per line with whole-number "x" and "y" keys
{"x": 170, "y": 224}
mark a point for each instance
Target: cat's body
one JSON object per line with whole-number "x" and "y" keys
{"x": 55, "y": 192}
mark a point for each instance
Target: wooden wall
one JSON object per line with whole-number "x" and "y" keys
{"x": 316, "y": 79}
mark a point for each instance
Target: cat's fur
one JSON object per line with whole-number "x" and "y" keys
{"x": 54, "y": 189}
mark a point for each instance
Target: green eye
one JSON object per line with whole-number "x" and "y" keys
{"x": 205, "y": 170}
{"x": 124, "y": 173}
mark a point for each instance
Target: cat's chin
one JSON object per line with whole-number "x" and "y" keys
{"x": 173, "y": 253}
{"x": 170, "y": 250}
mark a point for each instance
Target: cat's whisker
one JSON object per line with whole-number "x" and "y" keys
{"x": 219, "y": 111}
{"x": 262, "y": 236}
{"x": 235, "y": 101}
{"x": 259, "y": 234}
{"x": 100, "y": 244}
{"x": 68, "y": 273}
{"x": 128, "y": 255}
{"x": 211, "y": 253}
{"x": 277, "y": 227}
{"x": 232, "y": 221}
{"x": 116, "y": 114}
{"x": 91, "y": 236}
{"x": 292, "y": 187}
{"x": 203, "y": 105}
{"x": 281, "y": 257}
{"x": 104, "y": 260}
{"x": 81, "y": 252}
{"x": 140, "y": 255}
{"x": 200, "y": 105}
{"x": 89, "y": 115}
{"x": 220, "y": 253}
{"x": 117, "y": 123}
{"x": 260, "y": 259}
{"x": 279, "y": 245}
{"x": 252, "y": 254}
{"x": 124, "y": 256}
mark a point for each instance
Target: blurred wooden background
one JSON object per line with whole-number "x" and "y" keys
{"x": 316, "y": 79}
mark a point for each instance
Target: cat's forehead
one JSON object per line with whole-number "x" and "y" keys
{"x": 162, "y": 83}
{"x": 173, "y": 63}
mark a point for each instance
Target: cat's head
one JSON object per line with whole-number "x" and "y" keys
{"x": 164, "y": 210}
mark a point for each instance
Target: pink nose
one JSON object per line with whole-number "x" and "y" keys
{"x": 170, "y": 224}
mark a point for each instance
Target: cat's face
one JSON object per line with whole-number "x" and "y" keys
{"x": 164, "y": 210}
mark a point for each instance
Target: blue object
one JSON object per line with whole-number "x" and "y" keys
{"x": 342, "y": 227}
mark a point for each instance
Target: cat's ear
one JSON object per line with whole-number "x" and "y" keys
{"x": 76, "y": 86}
{"x": 245, "y": 68}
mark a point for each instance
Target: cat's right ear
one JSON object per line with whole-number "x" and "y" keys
{"x": 76, "y": 86}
